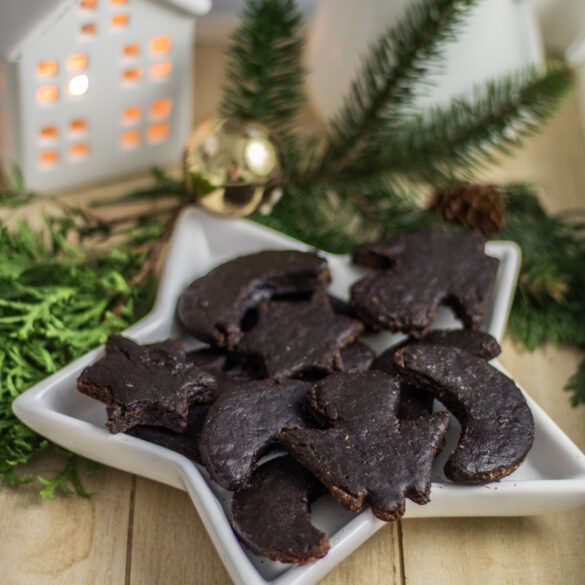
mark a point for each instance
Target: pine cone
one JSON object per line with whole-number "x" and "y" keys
{"x": 480, "y": 207}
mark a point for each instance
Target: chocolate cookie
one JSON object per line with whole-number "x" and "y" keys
{"x": 419, "y": 273}
{"x": 497, "y": 425}
{"x": 367, "y": 456}
{"x": 294, "y": 337}
{"x": 272, "y": 516}
{"x": 415, "y": 401}
{"x": 213, "y": 306}
{"x": 356, "y": 356}
{"x": 244, "y": 423}
{"x": 151, "y": 384}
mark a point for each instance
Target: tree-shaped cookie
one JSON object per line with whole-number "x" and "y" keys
{"x": 368, "y": 456}
{"x": 419, "y": 272}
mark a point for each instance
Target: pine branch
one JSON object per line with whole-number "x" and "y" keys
{"x": 390, "y": 77}
{"x": 264, "y": 74}
{"x": 465, "y": 137}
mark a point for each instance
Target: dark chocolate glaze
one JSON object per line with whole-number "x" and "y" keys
{"x": 420, "y": 272}
{"x": 497, "y": 424}
{"x": 368, "y": 456}
{"x": 272, "y": 516}
{"x": 244, "y": 423}
{"x": 290, "y": 338}
{"x": 415, "y": 401}
{"x": 213, "y": 306}
{"x": 151, "y": 384}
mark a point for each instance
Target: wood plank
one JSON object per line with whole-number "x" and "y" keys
{"x": 69, "y": 540}
{"x": 169, "y": 542}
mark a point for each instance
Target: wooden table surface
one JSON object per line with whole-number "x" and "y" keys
{"x": 133, "y": 531}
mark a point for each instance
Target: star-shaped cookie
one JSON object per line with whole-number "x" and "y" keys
{"x": 146, "y": 385}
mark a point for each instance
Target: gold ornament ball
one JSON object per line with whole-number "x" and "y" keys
{"x": 229, "y": 163}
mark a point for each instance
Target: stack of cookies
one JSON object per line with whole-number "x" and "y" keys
{"x": 284, "y": 374}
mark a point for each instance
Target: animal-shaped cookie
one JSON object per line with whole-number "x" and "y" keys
{"x": 272, "y": 516}
{"x": 244, "y": 423}
{"x": 496, "y": 422}
{"x": 146, "y": 385}
{"x": 419, "y": 272}
{"x": 367, "y": 455}
{"x": 212, "y": 307}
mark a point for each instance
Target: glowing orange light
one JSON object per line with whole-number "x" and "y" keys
{"x": 47, "y": 69}
{"x": 160, "y": 45}
{"x": 49, "y": 158}
{"x": 118, "y": 1}
{"x": 161, "y": 108}
{"x": 158, "y": 132}
{"x": 76, "y": 62}
{"x": 132, "y": 75}
{"x": 47, "y": 94}
{"x": 132, "y": 115}
{"x": 161, "y": 70}
{"x": 119, "y": 20}
{"x": 130, "y": 139}
{"x": 88, "y": 4}
{"x": 48, "y": 133}
{"x": 79, "y": 151}
{"x": 132, "y": 50}
{"x": 78, "y": 126}
{"x": 89, "y": 29}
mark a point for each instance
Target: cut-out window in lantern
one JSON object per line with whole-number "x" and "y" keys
{"x": 132, "y": 115}
{"x": 160, "y": 71}
{"x": 47, "y": 94}
{"x": 79, "y": 151}
{"x": 76, "y": 62}
{"x": 160, "y": 45}
{"x": 132, "y": 75}
{"x": 78, "y": 126}
{"x": 47, "y": 69}
{"x": 48, "y": 158}
{"x": 158, "y": 132}
{"x": 120, "y": 20}
{"x": 160, "y": 109}
{"x": 88, "y": 30}
{"x": 131, "y": 50}
{"x": 88, "y": 4}
{"x": 78, "y": 85}
{"x": 49, "y": 133}
{"x": 130, "y": 139}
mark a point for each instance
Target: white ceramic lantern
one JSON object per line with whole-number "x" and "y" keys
{"x": 92, "y": 90}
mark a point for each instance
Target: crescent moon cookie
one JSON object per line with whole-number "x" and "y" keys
{"x": 497, "y": 424}
{"x": 244, "y": 423}
{"x": 272, "y": 516}
{"x": 415, "y": 401}
{"x": 212, "y": 307}
{"x": 367, "y": 455}
{"x": 419, "y": 272}
{"x": 146, "y": 384}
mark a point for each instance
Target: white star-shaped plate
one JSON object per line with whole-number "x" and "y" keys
{"x": 551, "y": 479}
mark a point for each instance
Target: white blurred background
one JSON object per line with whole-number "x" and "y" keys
{"x": 501, "y": 36}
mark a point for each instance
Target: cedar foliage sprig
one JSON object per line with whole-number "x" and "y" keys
{"x": 56, "y": 304}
